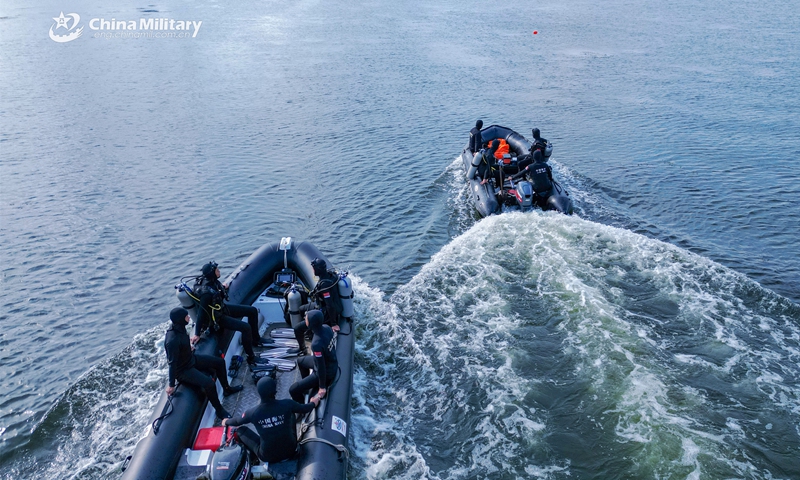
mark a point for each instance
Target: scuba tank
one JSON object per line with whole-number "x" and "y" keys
{"x": 185, "y": 299}
{"x": 294, "y": 300}
{"x": 548, "y": 150}
{"x": 476, "y": 161}
{"x": 346, "y": 295}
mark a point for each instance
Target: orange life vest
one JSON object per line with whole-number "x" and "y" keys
{"x": 501, "y": 150}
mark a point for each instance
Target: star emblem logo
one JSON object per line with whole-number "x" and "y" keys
{"x": 61, "y": 21}
{"x": 64, "y": 21}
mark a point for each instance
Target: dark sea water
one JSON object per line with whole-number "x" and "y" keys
{"x": 655, "y": 334}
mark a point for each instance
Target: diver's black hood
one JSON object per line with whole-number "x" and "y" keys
{"x": 210, "y": 271}
{"x": 267, "y": 388}
{"x": 320, "y": 267}
{"x": 315, "y": 319}
{"x": 178, "y": 317}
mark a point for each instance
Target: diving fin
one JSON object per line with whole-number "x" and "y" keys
{"x": 282, "y": 333}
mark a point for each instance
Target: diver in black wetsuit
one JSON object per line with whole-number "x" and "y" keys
{"x": 488, "y": 167}
{"x": 540, "y": 174}
{"x": 185, "y": 366}
{"x": 325, "y": 297}
{"x": 539, "y": 144}
{"x": 274, "y": 420}
{"x": 475, "y": 140}
{"x": 326, "y": 294}
{"x": 212, "y": 294}
{"x": 323, "y": 359}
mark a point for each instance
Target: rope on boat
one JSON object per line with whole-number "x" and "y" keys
{"x": 341, "y": 448}
{"x": 168, "y": 408}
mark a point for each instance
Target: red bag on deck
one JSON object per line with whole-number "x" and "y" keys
{"x": 208, "y": 439}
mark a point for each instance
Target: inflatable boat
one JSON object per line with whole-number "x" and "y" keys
{"x": 183, "y": 436}
{"x": 491, "y": 196}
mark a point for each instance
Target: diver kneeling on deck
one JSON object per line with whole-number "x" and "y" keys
{"x": 185, "y": 366}
{"x": 323, "y": 360}
{"x": 276, "y": 439}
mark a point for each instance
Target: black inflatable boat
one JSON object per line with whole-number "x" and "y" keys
{"x": 491, "y": 196}
{"x": 176, "y": 445}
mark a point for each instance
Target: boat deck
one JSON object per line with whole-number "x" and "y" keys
{"x": 193, "y": 462}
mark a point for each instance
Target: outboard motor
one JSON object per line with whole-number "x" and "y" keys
{"x": 524, "y": 194}
{"x": 294, "y": 300}
{"x": 476, "y": 161}
{"x": 346, "y": 295}
{"x": 230, "y": 462}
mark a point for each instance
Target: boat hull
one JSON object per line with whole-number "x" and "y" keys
{"x": 161, "y": 449}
